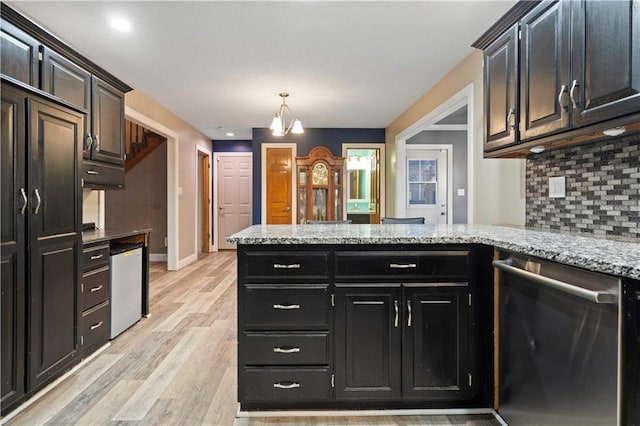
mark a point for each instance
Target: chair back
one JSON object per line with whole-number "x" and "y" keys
{"x": 390, "y": 220}
{"x": 327, "y": 222}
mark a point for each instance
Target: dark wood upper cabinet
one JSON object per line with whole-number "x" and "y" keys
{"x": 544, "y": 81}
{"x": 107, "y": 123}
{"x": 436, "y": 317}
{"x": 500, "y": 88}
{"x": 606, "y": 60}
{"x": 19, "y": 55}
{"x": 13, "y": 248}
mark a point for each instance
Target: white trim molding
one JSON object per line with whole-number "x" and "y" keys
{"x": 172, "y": 181}
{"x": 263, "y": 180}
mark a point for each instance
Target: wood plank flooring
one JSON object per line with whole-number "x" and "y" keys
{"x": 178, "y": 367}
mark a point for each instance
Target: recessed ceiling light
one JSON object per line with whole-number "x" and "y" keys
{"x": 230, "y": 134}
{"x": 120, "y": 24}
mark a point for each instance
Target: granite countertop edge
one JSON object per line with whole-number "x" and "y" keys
{"x": 98, "y": 235}
{"x": 610, "y": 256}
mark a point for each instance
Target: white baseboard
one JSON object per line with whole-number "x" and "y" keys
{"x": 158, "y": 257}
{"x": 187, "y": 260}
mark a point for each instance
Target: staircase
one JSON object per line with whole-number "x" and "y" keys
{"x": 139, "y": 142}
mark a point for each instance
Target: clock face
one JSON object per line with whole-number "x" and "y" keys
{"x": 320, "y": 174}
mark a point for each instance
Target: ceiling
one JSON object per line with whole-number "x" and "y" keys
{"x": 220, "y": 65}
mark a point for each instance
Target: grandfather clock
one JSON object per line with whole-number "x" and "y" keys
{"x": 319, "y": 186}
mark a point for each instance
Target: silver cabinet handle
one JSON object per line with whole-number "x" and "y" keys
{"x": 292, "y": 385}
{"x": 289, "y": 266}
{"x": 286, "y": 307}
{"x": 88, "y": 143}
{"x": 409, "y": 313}
{"x": 279, "y": 350}
{"x": 563, "y": 90}
{"x": 509, "y": 115}
{"x": 395, "y": 306}
{"x": 94, "y": 326}
{"x": 97, "y": 142}
{"x": 38, "y": 199}
{"x": 25, "y": 200}
{"x": 97, "y": 256}
{"x": 94, "y": 289}
{"x": 402, "y": 265}
{"x": 591, "y": 295}
{"x": 92, "y": 172}
{"x": 572, "y": 93}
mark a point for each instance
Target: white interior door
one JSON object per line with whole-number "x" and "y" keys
{"x": 426, "y": 184}
{"x": 234, "y": 196}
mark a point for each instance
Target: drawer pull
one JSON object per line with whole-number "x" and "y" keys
{"x": 403, "y": 265}
{"x": 97, "y": 256}
{"x": 286, "y": 350}
{"x": 97, "y": 325}
{"x": 289, "y": 385}
{"x": 92, "y": 172}
{"x": 289, "y": 266}
{"x": 286, "y": 307}
{"x": 94, "y": 289}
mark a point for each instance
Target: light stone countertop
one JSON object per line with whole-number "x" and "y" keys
{"x": 605, "y": 255}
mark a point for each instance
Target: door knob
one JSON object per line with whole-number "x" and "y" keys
{"x": 287, "y": 209}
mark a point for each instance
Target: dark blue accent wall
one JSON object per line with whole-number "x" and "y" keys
{"x": 329, "y": 138}
{"x": 232, "y": 146}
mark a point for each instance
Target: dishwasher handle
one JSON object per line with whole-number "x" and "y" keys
{"x": 590, "y": 295}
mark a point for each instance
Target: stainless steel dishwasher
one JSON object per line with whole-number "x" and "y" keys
{"x": 125, "y": 286}
{"x": 559, "y": 344}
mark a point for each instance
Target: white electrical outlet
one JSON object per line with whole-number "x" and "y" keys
{"x": 557, "y": 188}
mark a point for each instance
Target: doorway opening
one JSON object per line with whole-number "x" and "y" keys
{"x": 203, "y": 200}
{"x": 364, "y": 182}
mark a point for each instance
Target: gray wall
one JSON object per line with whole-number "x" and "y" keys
{"x": 143, "y": 202}
{"x": 602, "y": 188}
{"x": 459, "y": 173}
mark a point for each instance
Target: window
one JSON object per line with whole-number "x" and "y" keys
{"x": 422, "y": 180}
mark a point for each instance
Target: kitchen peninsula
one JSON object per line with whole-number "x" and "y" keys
{"x": 400, "y": 316}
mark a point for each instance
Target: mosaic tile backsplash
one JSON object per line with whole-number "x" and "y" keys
{"x": 602, "y": 188}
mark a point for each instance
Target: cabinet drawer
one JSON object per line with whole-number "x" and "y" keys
{"x": 95, "y": 257}
{"x": 286, "y": 384}
{"x": 286, "y": 348}
{"x": 286, "y": 308}
{"x": 95, "y": 326}
{"x": 286, "y": 266}
{"x": 101, "y": 176}
{"x": 95, "y": 287}
{"x": 405, "y": 265}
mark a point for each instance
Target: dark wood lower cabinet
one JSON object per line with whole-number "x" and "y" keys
{"x": 368, "y": 343}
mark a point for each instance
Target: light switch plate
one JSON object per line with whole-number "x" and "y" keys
{"x": 460, "y": 192}
{"x": 557, "y": 187}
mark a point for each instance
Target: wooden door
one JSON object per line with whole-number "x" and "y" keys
{"x": 19, "y": 55}
{"x": 435, "y": 360}
{"x": 606, "y": 60}
{"x": 108, "y": 123}
{"x": 500, "y": 91}
{"x": 367, "y": 328}
{"x": 234, "y": 196}
{"x": 13, "y": 248}
{"x": 55, "y": 149}
{"x": 278, "y": 204}
{"x": 544, "y": 81}
{"x": 206, "y": 203}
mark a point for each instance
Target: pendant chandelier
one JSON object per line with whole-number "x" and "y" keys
{"x": 278, "y": 125}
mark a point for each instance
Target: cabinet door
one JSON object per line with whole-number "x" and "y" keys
{"x": 606, "y": 60}
{"x": 500, "y": 89}
{"x": 19, "y": 55}
{"x": 435, "y": 360}
{"x": 544, "y": 81}
{"x": 367, "y": 343}
{"x": 631, "y": 351}
{"x": 108, "y": 123}
{"x": 12, "y": 248}
{"x": 55, "y": 148}
{"x": 68, "y": 81}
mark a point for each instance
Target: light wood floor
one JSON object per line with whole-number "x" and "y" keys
{"x": 178, "y": 367}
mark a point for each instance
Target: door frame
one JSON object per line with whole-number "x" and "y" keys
{"x": 382, "y": 173}
{"x": 216, "y": 181}
{"x": 428, "y": 122}
{"x": 401, "y": 192}
{"x": 263, "y": 180}
{"x": 199, "y": 149}
{"x": 173, "y": 141}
